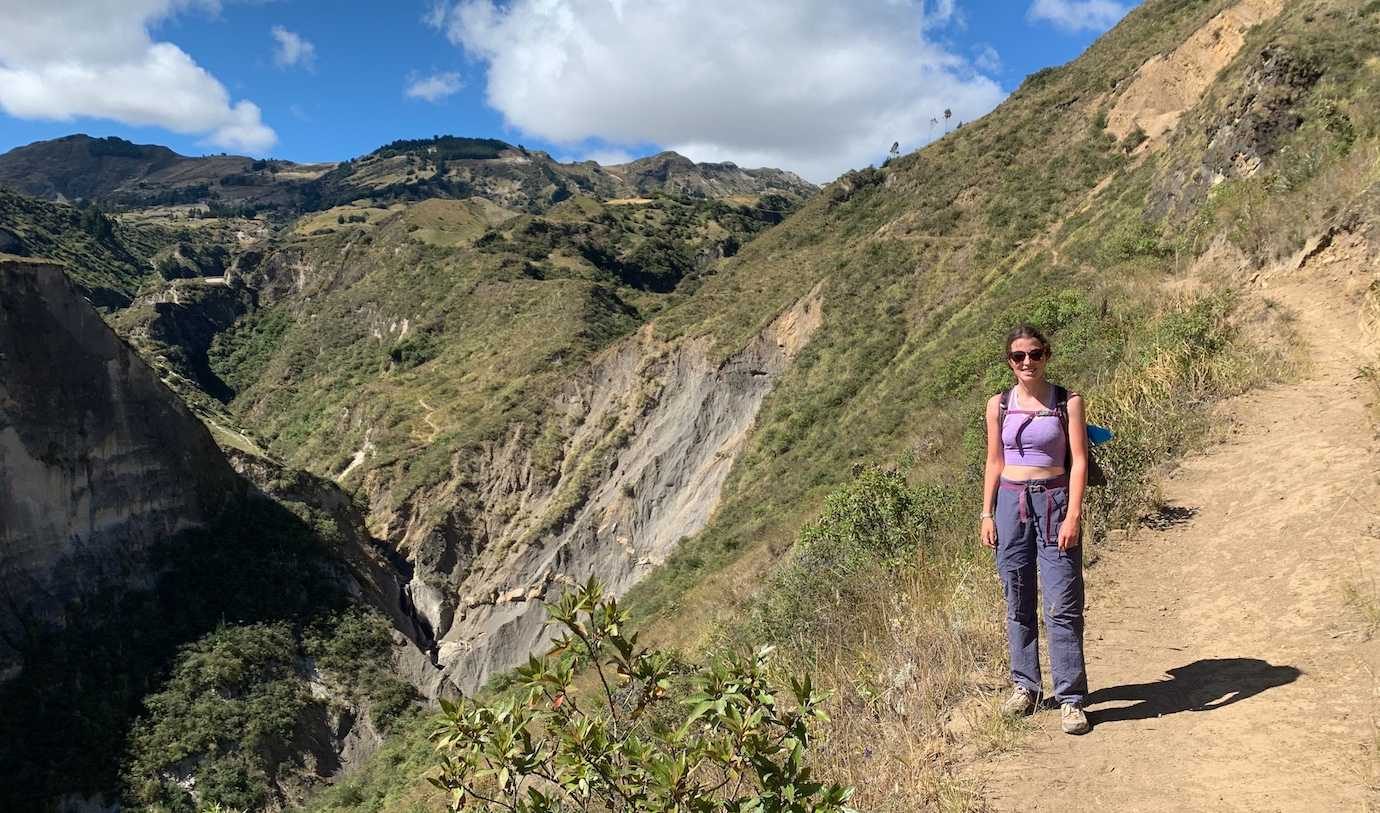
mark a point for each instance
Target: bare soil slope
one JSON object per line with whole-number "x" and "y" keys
{"x": 1233, "y": 665}
{"x": 1169, "y": 84}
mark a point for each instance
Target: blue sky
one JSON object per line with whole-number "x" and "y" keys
{"x": 810, "y": 85}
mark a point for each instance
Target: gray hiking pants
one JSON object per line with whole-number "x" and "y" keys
{"x": 1028, "y": 516}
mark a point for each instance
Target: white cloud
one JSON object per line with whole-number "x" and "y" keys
{"x": 62, "y": 60}
{"x": 1078, "y": 15}
{"x": 435, "y": 87}
{"x": 987, "y": 59}
{"x": 435, "y": 16}
{"x": 816, "y": 86}
{"x": 292, "y": 50}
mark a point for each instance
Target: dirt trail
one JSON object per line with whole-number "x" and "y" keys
{"x": 1229, "y": 671}
{"x": 430, "y": 420}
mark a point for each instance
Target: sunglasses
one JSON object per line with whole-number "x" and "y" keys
{"x": 1018, "y": 356}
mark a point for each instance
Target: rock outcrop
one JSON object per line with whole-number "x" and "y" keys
{"x": 1245, "y": 134}
{"x": 648, "y": 438}
{"x": 98, "y": 459}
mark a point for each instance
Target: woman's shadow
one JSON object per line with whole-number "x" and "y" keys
{"x": 1203, "y": 685}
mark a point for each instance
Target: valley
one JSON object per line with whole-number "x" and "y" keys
{"x": 333, "y": 435}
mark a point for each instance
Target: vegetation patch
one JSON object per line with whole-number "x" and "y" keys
{"x": 102, "y": 256}
{"x": 201, "y": 677}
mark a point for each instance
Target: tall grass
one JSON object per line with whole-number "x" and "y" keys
{"x": 890, "y": 601}
{"x": 1200, "y": 350}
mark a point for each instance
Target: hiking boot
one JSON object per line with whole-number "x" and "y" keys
{"x": 1020, "y": 703}
{"x": 1075, "y": 721}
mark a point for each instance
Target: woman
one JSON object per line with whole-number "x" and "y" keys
{"x": 1037, "y": 463}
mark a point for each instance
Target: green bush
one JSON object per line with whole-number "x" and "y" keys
{"x": 875, "y": 524}
{"x": 1134, "y": 238}
{"x": 551, "y": 748}
{"x": 223, "y": 717}
{"x": 198, "y": 676}
{"x": 356, "y": 646}
{"x": 414, "y": 350}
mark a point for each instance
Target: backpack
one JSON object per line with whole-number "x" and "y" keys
{"x": 1096, "y": 477}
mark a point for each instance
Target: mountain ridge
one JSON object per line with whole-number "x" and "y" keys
{"x": 123, "y": 174}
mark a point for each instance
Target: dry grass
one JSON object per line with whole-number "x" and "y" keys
{"x": 1363, "y": 597}
{"x": 1209, "y": 346}
{"x": 915, "y": 692}
{"x": 327, "y": 220}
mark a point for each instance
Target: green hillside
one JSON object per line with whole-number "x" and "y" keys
{"x": 433, "y": 325}
{"x": 106, "y": 258}
{"x": 1033, "y": 212}
{"x": 442, "y": 326}
{"x": 1118, "y": 247}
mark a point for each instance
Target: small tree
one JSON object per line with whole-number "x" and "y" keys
{"x": 728, "y": 746}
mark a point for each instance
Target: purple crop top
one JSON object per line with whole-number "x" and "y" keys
{"x": 1032, "y": 437}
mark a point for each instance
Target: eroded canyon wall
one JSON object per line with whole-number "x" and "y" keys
{"x": 98, "y": 459}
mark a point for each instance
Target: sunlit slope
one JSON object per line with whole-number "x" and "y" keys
{"x": 1037, "y": 211}
{"x": 426, "y": 329}
{"x": 108, "y": 260}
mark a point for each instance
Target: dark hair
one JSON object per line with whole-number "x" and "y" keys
{"x": 1025, "y": 331}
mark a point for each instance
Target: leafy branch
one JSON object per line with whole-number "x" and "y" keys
{"x": 654, "y": 738}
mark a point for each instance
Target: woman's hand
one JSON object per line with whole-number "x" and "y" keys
{"x": 989, "y": 532}
{"x": 1070, "y": 531}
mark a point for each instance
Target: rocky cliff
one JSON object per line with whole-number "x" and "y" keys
{"x": 128, "y": 539}
{"x": 98, "y": 458}
{"x": 648, "y": 435}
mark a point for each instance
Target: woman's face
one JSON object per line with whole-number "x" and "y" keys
{"x": 1028, "y": 370}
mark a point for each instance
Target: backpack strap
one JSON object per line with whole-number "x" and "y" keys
{"x": 1061, "y": 406}
{"x": 1003, "y": 403}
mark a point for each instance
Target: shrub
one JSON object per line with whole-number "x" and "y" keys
{"x": 414, "y": 350}
{"x": 553, "y": 748}
{"x": 1134, "y": 238}
{"x": 873, "y": 525}
{"x": 233, "y": 699}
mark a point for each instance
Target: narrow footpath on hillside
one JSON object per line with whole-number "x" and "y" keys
{"x": 1232, "y": 653}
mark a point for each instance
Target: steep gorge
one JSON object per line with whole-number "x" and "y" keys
{"x": 632, "y": 444}
{"x": 480, "y": 379}
{"x": 126, "y": 534}
{"x": 649, "y": 433}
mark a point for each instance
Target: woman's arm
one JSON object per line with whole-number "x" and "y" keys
{"x": 992, "y": 472}
{"x": 1078, "y": 473}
